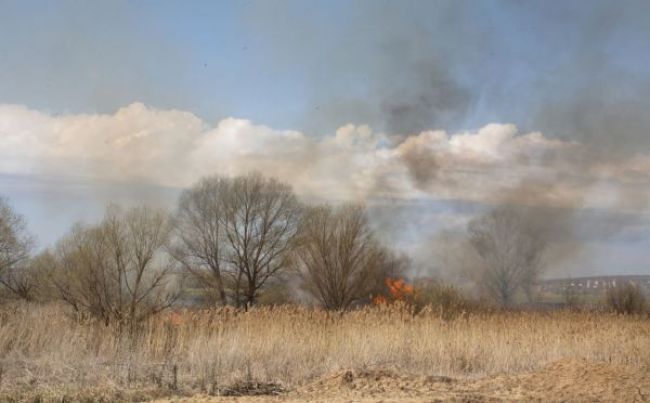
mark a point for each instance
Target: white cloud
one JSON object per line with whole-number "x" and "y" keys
{"x": 174, "y": 148}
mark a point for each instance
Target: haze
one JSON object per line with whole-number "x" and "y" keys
{"x": 427, "y": 112}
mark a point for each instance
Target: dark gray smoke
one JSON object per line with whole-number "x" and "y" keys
{"x": 388, "y": 67}
{"x": 420, "y": 95}
{"x": 422, "y": 166}
{"x": 595, "y": 95}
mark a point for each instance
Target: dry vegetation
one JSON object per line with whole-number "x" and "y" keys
{"x": 97, "y": 318}
{"x": 49, "y": 354}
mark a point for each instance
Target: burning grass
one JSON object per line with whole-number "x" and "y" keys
{"x": 46, "y": 352}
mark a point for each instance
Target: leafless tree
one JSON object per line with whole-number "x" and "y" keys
{"x": 261, "y": 218}
{"x": 234, "y": 234}
{"x": 26, "y": 281}
{"x": 339, "y": 258}
{"x": 81, "y": 276}
{"x": 200, "y": 233}
{"x": 40, "y": 268}
{"x": 511, "y": 243}
{"x": 117, "y": 270}
{"x": 626, "y": 298}
{"x": 15, "y": 247}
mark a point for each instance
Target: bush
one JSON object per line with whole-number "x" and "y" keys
{"x": 446, "y": 300}
{"x": 626, "y": 299}
{"x": 276, "y": 293}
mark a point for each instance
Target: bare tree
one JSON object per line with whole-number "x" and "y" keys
{"x": 511, "y": 245}
{"x": 117, "y": 270}
{"x": 261, "y": 218}
{"x": 199, "y": 224}
{"x": 15, "y": 247}
{"x": 82, "y": 277}
{"x": 147, "y": 272}
{"x": 37, "y": 276}
{"x": 626, "y": 298}
{"x": 338, "y": 258}
{"x": 24, "y": 281}
{"x": 234, "y": 234}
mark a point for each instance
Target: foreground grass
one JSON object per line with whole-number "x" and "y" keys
{"x": 46, "y": 353}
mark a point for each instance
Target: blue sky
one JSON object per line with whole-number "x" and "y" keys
{"x": 575, "y": 71}
{"x": 289, "y": 64}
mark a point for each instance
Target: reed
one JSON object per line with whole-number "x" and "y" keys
{"x": 47, "y": 350}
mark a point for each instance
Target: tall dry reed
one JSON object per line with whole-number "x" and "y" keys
{"x": 45, "y": 348}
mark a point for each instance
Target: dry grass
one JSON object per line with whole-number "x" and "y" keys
{"x": 47, "y": 353}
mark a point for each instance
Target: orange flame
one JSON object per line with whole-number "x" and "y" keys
{"x": 398, "y": 290}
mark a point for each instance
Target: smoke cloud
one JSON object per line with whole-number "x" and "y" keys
{"x": 421, "y": 189}
{"x": 140, "y": 144}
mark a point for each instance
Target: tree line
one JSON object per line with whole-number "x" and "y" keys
{"x": 230, "y": 237}
{"x": 233, "y": 238}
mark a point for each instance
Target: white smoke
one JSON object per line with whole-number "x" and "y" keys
{"x": 141, "y": 144}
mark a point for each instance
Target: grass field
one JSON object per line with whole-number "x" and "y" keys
{"x": 48, "y": 354}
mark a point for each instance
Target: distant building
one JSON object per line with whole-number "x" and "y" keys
{"x": 593, "y": 284}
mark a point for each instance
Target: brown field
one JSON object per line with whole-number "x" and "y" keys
{"x": 301, "y": 354}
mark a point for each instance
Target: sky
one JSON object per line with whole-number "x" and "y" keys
{"x": 416, "y": 108}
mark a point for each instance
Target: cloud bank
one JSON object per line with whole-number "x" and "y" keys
{"x": 141, "y": 144}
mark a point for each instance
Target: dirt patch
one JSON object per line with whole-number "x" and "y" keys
{"x": 253, "y": 389}
{"x": 568, "y": 380}
{"x": 574, "y": 380}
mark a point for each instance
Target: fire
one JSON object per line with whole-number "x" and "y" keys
{"x": 398, "y": 290}
{"x": 175, "y": 317}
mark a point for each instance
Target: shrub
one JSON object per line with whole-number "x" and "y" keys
{"x": 444, "y": 299}
{"x": 626, "y": 299}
